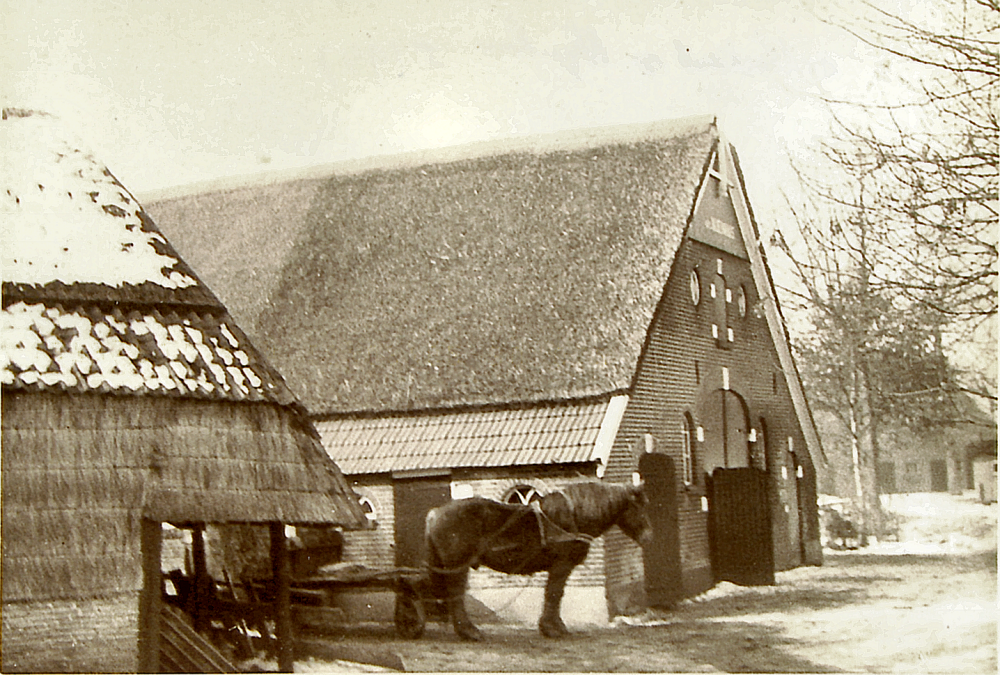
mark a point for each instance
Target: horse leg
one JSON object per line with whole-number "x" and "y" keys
{"x": 449, "y": 584}
{"x": 460, "y": 620}
{"x": 551, "y": 624}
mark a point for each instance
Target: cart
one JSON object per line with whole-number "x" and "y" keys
{"x": 410, "y": 584}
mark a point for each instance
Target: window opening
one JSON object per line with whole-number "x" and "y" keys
{"x": 368, "y": 508}
{"x": 687, "y": 449}
{"x": 695, "y": 282}
{"x": 522, "y": 494}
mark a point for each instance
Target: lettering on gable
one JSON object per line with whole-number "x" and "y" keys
{"x": 715, "y": 221}
{"x": 721, "y": 227}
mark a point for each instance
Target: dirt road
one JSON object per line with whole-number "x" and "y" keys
{"x": 857, "y": 613}
{"x": 927, "y": 603}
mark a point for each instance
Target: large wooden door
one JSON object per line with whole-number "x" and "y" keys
{"x": 726, "y": 431}
{"x": 661, "y": 557}
{"x": 740, "y": 527}
{"x": 412, "y": 499}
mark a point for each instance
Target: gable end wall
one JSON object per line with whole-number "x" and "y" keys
{"x": 681, "y": 366}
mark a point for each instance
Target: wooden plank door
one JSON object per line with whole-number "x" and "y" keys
{"x": 740, "y": 527}
{"x": 413, "y": 498}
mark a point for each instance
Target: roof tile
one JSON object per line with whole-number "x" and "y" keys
{"x": 556, "y": 434}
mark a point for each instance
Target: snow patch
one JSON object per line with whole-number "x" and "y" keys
{"x": 65, "y": 218}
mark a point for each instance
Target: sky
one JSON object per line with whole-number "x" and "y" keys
{"x": 176, "y": 93}
{"x": 183, "y": 92}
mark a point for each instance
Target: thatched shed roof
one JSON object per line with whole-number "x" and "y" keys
{"x": 96, "y": 303}
{"x": 482, "y": 276}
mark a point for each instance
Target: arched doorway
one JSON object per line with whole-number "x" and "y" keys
{"x": 725, "y": 419}
{"x": 740, "y": 536}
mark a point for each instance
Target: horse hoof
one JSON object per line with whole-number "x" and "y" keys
{"x": 553, "y": 631}
{"x": 471, "y": 635}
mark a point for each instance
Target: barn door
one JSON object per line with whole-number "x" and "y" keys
{"x": 740, "y": 534}
{"x": 412, "y": 499}
{"x": 726, "y": 431}
{"x": 661, "y": 557}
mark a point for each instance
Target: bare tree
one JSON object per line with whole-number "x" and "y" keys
{"x": 897, "y": 244}
{"x": 928, "y": 160}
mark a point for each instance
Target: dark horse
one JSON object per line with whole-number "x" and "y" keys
{"x": 554, "y": 535}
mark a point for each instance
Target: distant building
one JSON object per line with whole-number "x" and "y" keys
{"x": 936, "y": 459}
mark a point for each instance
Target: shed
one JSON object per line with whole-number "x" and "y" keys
{"x": 131, "y": 398}
{"x": 490, "y": 318}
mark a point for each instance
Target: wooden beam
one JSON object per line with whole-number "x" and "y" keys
{"x": 200, "y": 584}
{"x": 281, "y": 577}
{"x": 151, "y": 597}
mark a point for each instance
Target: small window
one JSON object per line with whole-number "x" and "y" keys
{"x": 522, "y": 494}
{"x": 741, "y": 302}
{"x": 695, "y": 288}
{"x": 722, "y": 297}
{"x": 687, "y": 449}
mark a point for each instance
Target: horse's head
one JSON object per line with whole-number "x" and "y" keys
{"x": 633, "y": 519}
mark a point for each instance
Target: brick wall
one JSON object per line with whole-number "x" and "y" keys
{"x": 97, "y": 635}
{"x": 680, "y": 370}
{"x": 375, "y": 548}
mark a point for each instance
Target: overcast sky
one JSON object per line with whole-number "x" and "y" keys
{"x": 172, "y": 93}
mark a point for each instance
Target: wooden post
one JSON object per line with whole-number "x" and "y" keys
{"x": 281, "y": 577}
{"x": 199, "y": 585}
{"x": 151, "y": 598}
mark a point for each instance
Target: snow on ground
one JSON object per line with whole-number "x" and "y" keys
{"x": 939, "y": 523}
{"x": 925, "y": 603}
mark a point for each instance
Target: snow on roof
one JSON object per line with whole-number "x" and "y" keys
{"x": 138, "y": 352}
{"x": 94, "y": 297}
{"x": 64, "y": 217}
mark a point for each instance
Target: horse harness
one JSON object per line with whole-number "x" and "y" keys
{"x": 545, "y": 526}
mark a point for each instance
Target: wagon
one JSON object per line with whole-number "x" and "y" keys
{"x": 410, "y": 584}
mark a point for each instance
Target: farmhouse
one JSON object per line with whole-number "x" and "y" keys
{"x": 130, "y": 399}
{"x": 498, "y": 318}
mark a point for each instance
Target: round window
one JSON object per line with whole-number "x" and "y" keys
{"x": 695, "y": 287}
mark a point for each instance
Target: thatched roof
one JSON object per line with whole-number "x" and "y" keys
{"x": 97, "y": 303}
{"x": 486, "y": 276}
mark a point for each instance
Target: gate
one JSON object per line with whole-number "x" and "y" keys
{"x": 661, "y": 557}
{"x": 740, "y": 530}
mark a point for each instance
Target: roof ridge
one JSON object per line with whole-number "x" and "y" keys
{"x": 564, "y": 140}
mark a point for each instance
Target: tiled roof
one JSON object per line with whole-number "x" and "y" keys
{"x": 475, "y": 277}
{"x": 553, "y": 434}
{"x": 89, "y": 349}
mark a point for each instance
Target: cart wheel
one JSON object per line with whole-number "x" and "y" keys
{"x": 409, "y": 615}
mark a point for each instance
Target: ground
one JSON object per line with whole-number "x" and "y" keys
{"x": 925, "y": 603}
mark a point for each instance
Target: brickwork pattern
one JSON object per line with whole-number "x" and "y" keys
{"x": 97, "y": 635}
{"x": 683, "y": 364}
